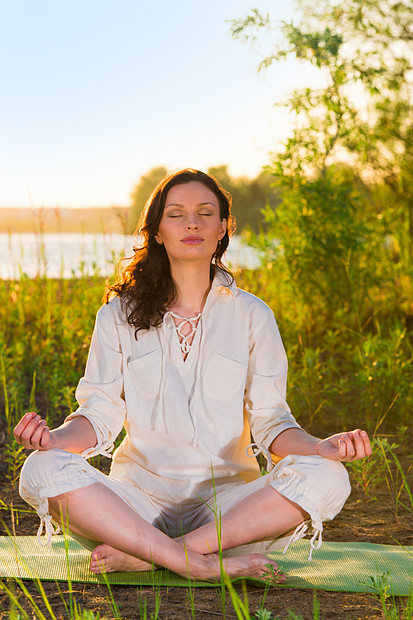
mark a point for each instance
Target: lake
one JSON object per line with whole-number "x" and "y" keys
{"x": 74, "y": 255}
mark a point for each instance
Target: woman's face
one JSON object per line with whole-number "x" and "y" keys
{"x": 191, "y": 224}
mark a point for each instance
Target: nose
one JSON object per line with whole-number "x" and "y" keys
{"x": 192, "y": 224}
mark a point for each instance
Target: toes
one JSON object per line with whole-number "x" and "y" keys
{"x": 99, "y": 552}
{"x": 267, "y": 569}
{"x": 100, "y": 566}
{"x": 99, "y": 561}
{"x": 273, "y": 573}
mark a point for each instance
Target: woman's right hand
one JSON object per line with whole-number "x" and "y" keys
{"x": 32, "y": 433}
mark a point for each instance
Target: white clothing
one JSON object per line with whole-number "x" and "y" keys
{"x": 185, "y": 420}
{"x": 188, "y": 423}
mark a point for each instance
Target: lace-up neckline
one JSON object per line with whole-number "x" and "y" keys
{"x": 186, "y": 330}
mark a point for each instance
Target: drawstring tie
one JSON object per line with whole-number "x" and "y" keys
{"x": 313, "y": 545}
{"x": 256, "y": 450}
{"x": 299, "y": 532}
{"x": 190, "y": 323}
{"x": 104, "y": 451}
{"x": 107, "y": 451}
{"x": 46, "y": 523}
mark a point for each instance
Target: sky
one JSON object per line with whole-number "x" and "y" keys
{"x": 97, "y": 92}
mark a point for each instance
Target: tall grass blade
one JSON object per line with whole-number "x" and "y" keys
{"x": 32, "y": 402}
{"x": 5, "y": 393}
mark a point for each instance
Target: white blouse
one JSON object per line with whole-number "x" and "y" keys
{"x": 187, "y": 423}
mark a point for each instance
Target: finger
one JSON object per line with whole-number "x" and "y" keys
{"x": 367, "y": 445}
{"x": 37, "y": 435}
{"x": 350, "y": 448}
{"x": 342, "y": 449}
{"x": 44, "y": 441}
{"x": 358, "y": 445}
{"x": 29, "y": 431}
{"x": 361, "y": 444}
{"x": 21, "y": 425}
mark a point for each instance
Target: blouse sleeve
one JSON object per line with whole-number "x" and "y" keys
{"x": 265, "y": 392}
{"x": 100, "y": 391}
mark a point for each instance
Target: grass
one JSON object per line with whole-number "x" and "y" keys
{"x": 380, "y": 587}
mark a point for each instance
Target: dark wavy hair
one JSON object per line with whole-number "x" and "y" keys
{"x": 145, "y": 285}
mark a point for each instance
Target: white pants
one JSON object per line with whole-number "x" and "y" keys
{"x": 318, "y": 485}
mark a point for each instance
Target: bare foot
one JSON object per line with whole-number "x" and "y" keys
{"x": 253, "y": 565}
{"x": 106, "y": 559}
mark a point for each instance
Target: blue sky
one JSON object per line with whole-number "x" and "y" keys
{"x": 96, "y": 93}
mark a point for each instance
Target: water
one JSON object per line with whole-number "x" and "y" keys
{"x": 75, "y": 255}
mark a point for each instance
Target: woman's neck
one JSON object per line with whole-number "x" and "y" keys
{"x": 192, "y": 287}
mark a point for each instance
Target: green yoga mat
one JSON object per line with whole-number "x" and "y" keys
{"x": 336, "y": 566}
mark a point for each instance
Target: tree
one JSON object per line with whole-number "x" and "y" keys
{"x": 363, "y": 117}
{"x": 249, "y": 196}
{"x": 142, "y": 191}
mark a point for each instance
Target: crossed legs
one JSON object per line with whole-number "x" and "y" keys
{"x": 259, "y": 510}
{"x": 130, "y": 543}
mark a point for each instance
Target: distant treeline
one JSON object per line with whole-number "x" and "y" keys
{"x": 55, "y": 220}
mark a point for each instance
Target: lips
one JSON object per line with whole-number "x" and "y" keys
{"x": 191, "y": 240}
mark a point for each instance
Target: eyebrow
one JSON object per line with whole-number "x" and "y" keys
{"x": 177, "y": 204}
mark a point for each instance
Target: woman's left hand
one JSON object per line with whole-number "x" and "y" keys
{"x": 349, "y": 446}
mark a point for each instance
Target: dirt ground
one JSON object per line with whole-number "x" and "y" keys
{"x": 360, "y": 520}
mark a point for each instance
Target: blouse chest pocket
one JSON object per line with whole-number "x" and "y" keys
{"x": 223, "y": 378}
{"x": 146, "y": 374}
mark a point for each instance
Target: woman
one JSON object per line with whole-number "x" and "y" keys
{"x": 190, "y": 366}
